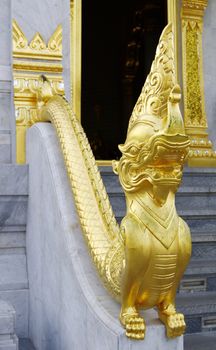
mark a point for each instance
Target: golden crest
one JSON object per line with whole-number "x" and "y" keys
{"x": 161, "y": 79}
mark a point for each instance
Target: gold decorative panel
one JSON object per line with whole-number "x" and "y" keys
{"x": 30, "y": 60}
{"x": 201, "y": 150}
{"x": 76, "y": 43}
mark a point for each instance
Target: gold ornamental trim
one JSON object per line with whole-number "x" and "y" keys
{"x": 194, "y": 8}
{"x": 172, "y": 14}
{"x": 75, "y": 54}
{"x": 201, "y": 150}
{"x": 37, "y": 48}
{"x": 30, "y": 61}
{"x": 37, "y": 66}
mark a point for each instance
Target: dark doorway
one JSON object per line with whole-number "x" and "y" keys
{"x": 119, "y": 39}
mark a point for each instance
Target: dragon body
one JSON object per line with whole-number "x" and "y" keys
{"x": 142, "y": 261}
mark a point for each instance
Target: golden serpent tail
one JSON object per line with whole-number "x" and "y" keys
{"x": 98, "y": 222}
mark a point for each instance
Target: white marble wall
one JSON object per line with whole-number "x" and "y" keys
{"x": 69, "y": 308}
{"x": 7, "y": 124}
{"x": 44, "y": 16}
{"x": 209, "y": 60}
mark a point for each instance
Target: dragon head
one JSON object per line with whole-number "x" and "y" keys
{"x": 156, "y": 145}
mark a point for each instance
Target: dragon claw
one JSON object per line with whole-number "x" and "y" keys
{"x": 175, "y": 324}
{"x": 134, "y": 326}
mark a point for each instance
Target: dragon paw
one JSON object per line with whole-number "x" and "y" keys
{"x": 175, "y": 324}
{"x": 134, "y": 325}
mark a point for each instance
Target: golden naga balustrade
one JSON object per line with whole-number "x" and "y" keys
{"x": 141, "y": 261}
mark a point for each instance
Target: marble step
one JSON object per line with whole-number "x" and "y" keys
{"x": 201, "y": 267}
{"x": 13, "y": 208}
{"x": 192, "y": 177}
{"x": 13, "y": 180}
{"x": 9, "y": 342}
{"x": 14, "y": 288}
{"x": 13, "y": 218}
{"x": 13, "y": 240}
{"x": 198, "y": 220}
{"x": 191, "y": 303}
{"x": 188, "y": 204}
{"x": 199, "y": 310}
{"x": 199, "y": 177}
{"x": 13, "y": 272}
{"x": 8, "y": 338}
{"x": 200, "y": 341}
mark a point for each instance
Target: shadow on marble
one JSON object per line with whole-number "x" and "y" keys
{"x": 25, "y": 344}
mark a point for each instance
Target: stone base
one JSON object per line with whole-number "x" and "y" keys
{"x": 69, "y": 307}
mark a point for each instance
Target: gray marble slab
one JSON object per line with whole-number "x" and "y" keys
{"x": 13, "y": 210}
{"x": 209, "y": 54}
{"x": 8, "y": 338}
{"x": 19, "y": 299}
{"x": 6, "y": 117}
{"x": 13, "y": 179}
{"x": 7, "y": 318}
{"x": 5, "y": 38}
{"x": 13, "y": 272}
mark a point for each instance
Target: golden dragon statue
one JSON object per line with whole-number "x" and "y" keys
{"x": 141, "y": 261}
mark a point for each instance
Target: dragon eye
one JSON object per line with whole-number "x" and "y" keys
{"x": 133, "y": 150}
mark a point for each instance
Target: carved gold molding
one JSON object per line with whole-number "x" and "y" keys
{"x": 172, "y": 14}
{"x": 29, "y": 62}
{"x": 37, "y": 48}
{"x": 201, "y": 153}
{"x": 76, "y": 44}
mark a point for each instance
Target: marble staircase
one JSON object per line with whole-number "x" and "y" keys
{"x": 196, "y": 203}
{"x": 8, "y": 338}
{"x": 13, "y": 265}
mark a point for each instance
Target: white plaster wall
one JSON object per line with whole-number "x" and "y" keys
{"x": 69, "y": 308}
{"x": 44, "y": 16}
{"x": 209, "y": 62}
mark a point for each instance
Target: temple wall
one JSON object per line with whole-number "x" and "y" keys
{"x": 32, "y": 16}
{"x": 7, "y": 123}
{"x": 44, "y": 17}
{"x": 209, "y": 59}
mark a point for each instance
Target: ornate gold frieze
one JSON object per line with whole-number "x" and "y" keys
{"x": 37, "y": 48}
{"x": 29, "y": 62}
{"x": 201, "y": 150}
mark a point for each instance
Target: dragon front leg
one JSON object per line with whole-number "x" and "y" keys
{"x": 136, "y": 262}
{"x": 174, "y": 321}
